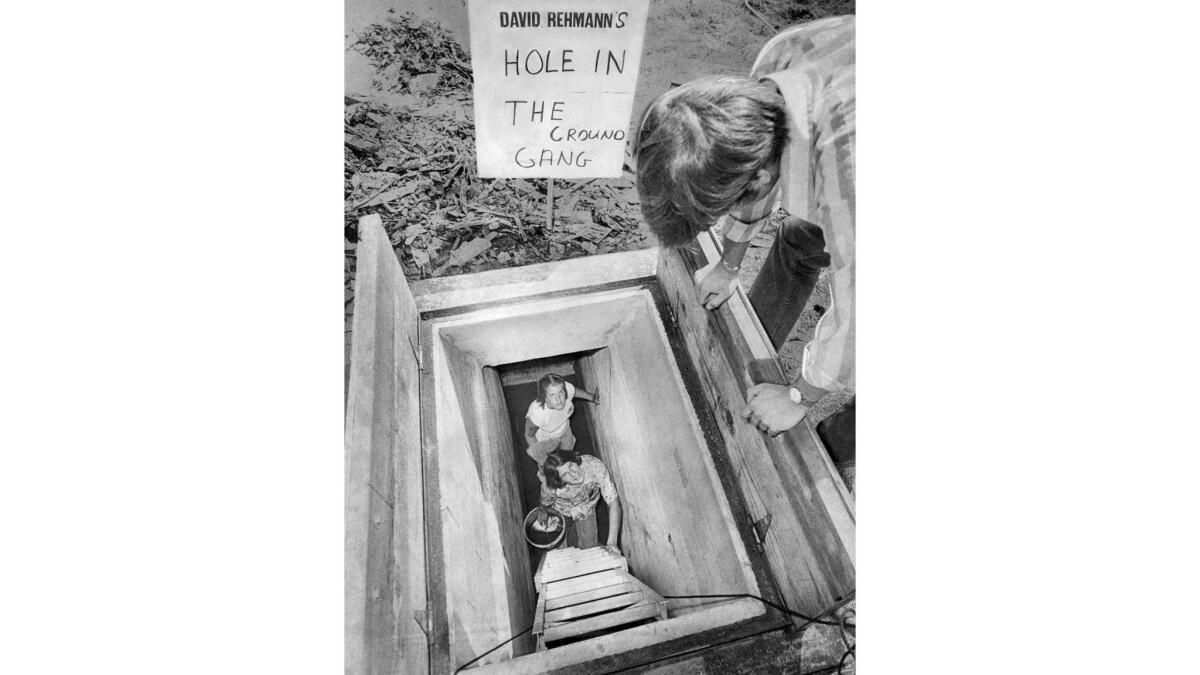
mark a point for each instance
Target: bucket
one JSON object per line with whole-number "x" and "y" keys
{"x": 544, "y": 540}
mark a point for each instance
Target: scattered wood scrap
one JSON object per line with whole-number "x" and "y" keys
{"x": 410, "y": 157}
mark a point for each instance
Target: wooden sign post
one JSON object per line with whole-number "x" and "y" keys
{"x": 554, "y": 85}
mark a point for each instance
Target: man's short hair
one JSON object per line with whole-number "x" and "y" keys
{"x": 554, "y": 460}
{"x": 699, "y": 148}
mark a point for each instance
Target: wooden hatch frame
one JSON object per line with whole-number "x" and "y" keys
{"x": 802, "y": 514}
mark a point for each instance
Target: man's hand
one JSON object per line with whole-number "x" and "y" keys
{"x": 542, "y": 515}
{"x": 612, "y": 548}
{"x": 770, "y": 408}
{"x": 714, "y": 285}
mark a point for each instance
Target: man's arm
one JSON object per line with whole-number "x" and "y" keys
{"x": 714, "y": 284}
{"x": 775, "y": 408}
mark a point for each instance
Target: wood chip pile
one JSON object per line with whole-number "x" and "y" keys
{"x": 410, "y": 157}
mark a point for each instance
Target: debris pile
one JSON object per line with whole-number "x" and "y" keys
{"x": 410, "y": 157}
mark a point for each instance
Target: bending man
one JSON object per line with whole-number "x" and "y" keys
{"x": 734, "y": 148}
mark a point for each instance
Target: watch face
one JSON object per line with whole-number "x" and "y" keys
{"x": 795, "y": 395}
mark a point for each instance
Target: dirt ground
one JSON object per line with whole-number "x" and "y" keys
{"x": 410, "y": 158}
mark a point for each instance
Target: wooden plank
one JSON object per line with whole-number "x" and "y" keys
{"x": 646, "y": 643}
{"x": 518, "y": 283}
{"x": 588, "y": 596}
{"x": 806, "y": 551}
{"x": 594, "y": 607}
{"x": 439, "y": 620}
{"x": 571, "y": 554}
{"x": 601, "y": 622}
{"x": 539, "y": 617}
{"x": 801, "y": 441}
{"x": 587, "y": 583}
{"x": 488, "y": 469}
{"x": 829, "y": 498}
{"x": 477, "y": 580}
{"x": 829, "y": 482}
{"x": 550, "y": 575}
{"x": 537, "y": 575}
{"x": 583, "y": 558}
{"x": 384, "y": 527}
{"x": 549, "y": 571}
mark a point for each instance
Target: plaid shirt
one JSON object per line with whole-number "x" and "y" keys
{"x": 813, "y": 66}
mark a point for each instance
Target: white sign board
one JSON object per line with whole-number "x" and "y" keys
{"x": 554, "y": 83}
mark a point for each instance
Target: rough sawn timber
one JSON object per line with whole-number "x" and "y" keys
{"x": 384, "y": 563}
{"x": 809, "y": 541}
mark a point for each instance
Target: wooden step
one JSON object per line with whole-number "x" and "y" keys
{"x": 583, "y": 592}
{"x": 571, "y": 553}
{"x": 585, "y": 583}
{"x": 590, "y": 595}
{"x": 645, "y": 610}
{"x": 565, "y": 614}
{"x": 552, "y": 573}
{"x": 562, "y": 563}
{"x": 553, "y": 565}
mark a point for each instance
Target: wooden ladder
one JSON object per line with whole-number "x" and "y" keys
{"x": 582, "y": 591}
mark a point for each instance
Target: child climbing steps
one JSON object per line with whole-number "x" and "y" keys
{"x": 548, "y": 422}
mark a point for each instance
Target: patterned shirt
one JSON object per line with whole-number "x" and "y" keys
{"x": 813, "y": 66}
{"x": 579, "y": 501}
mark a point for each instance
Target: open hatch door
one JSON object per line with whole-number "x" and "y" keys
{"x": 385, "y": 523}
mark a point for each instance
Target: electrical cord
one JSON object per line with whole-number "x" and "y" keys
{"x": 456, "y": 670}
{"x": 781, "y": 608}
{"x": 842, "y": 628}
{"x": 841, "y": 624}
{"x": 842, "y": 663}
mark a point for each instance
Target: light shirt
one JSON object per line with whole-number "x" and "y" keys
{"x": 552, "y": 423}
{"x": 813, "y": 66}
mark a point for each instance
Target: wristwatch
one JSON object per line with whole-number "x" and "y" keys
{"x": 798, "y": 398}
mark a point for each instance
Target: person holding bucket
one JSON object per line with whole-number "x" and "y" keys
{"x": 573, "y": 484}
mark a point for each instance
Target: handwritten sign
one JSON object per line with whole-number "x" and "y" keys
{"x": 554, "y": 84}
